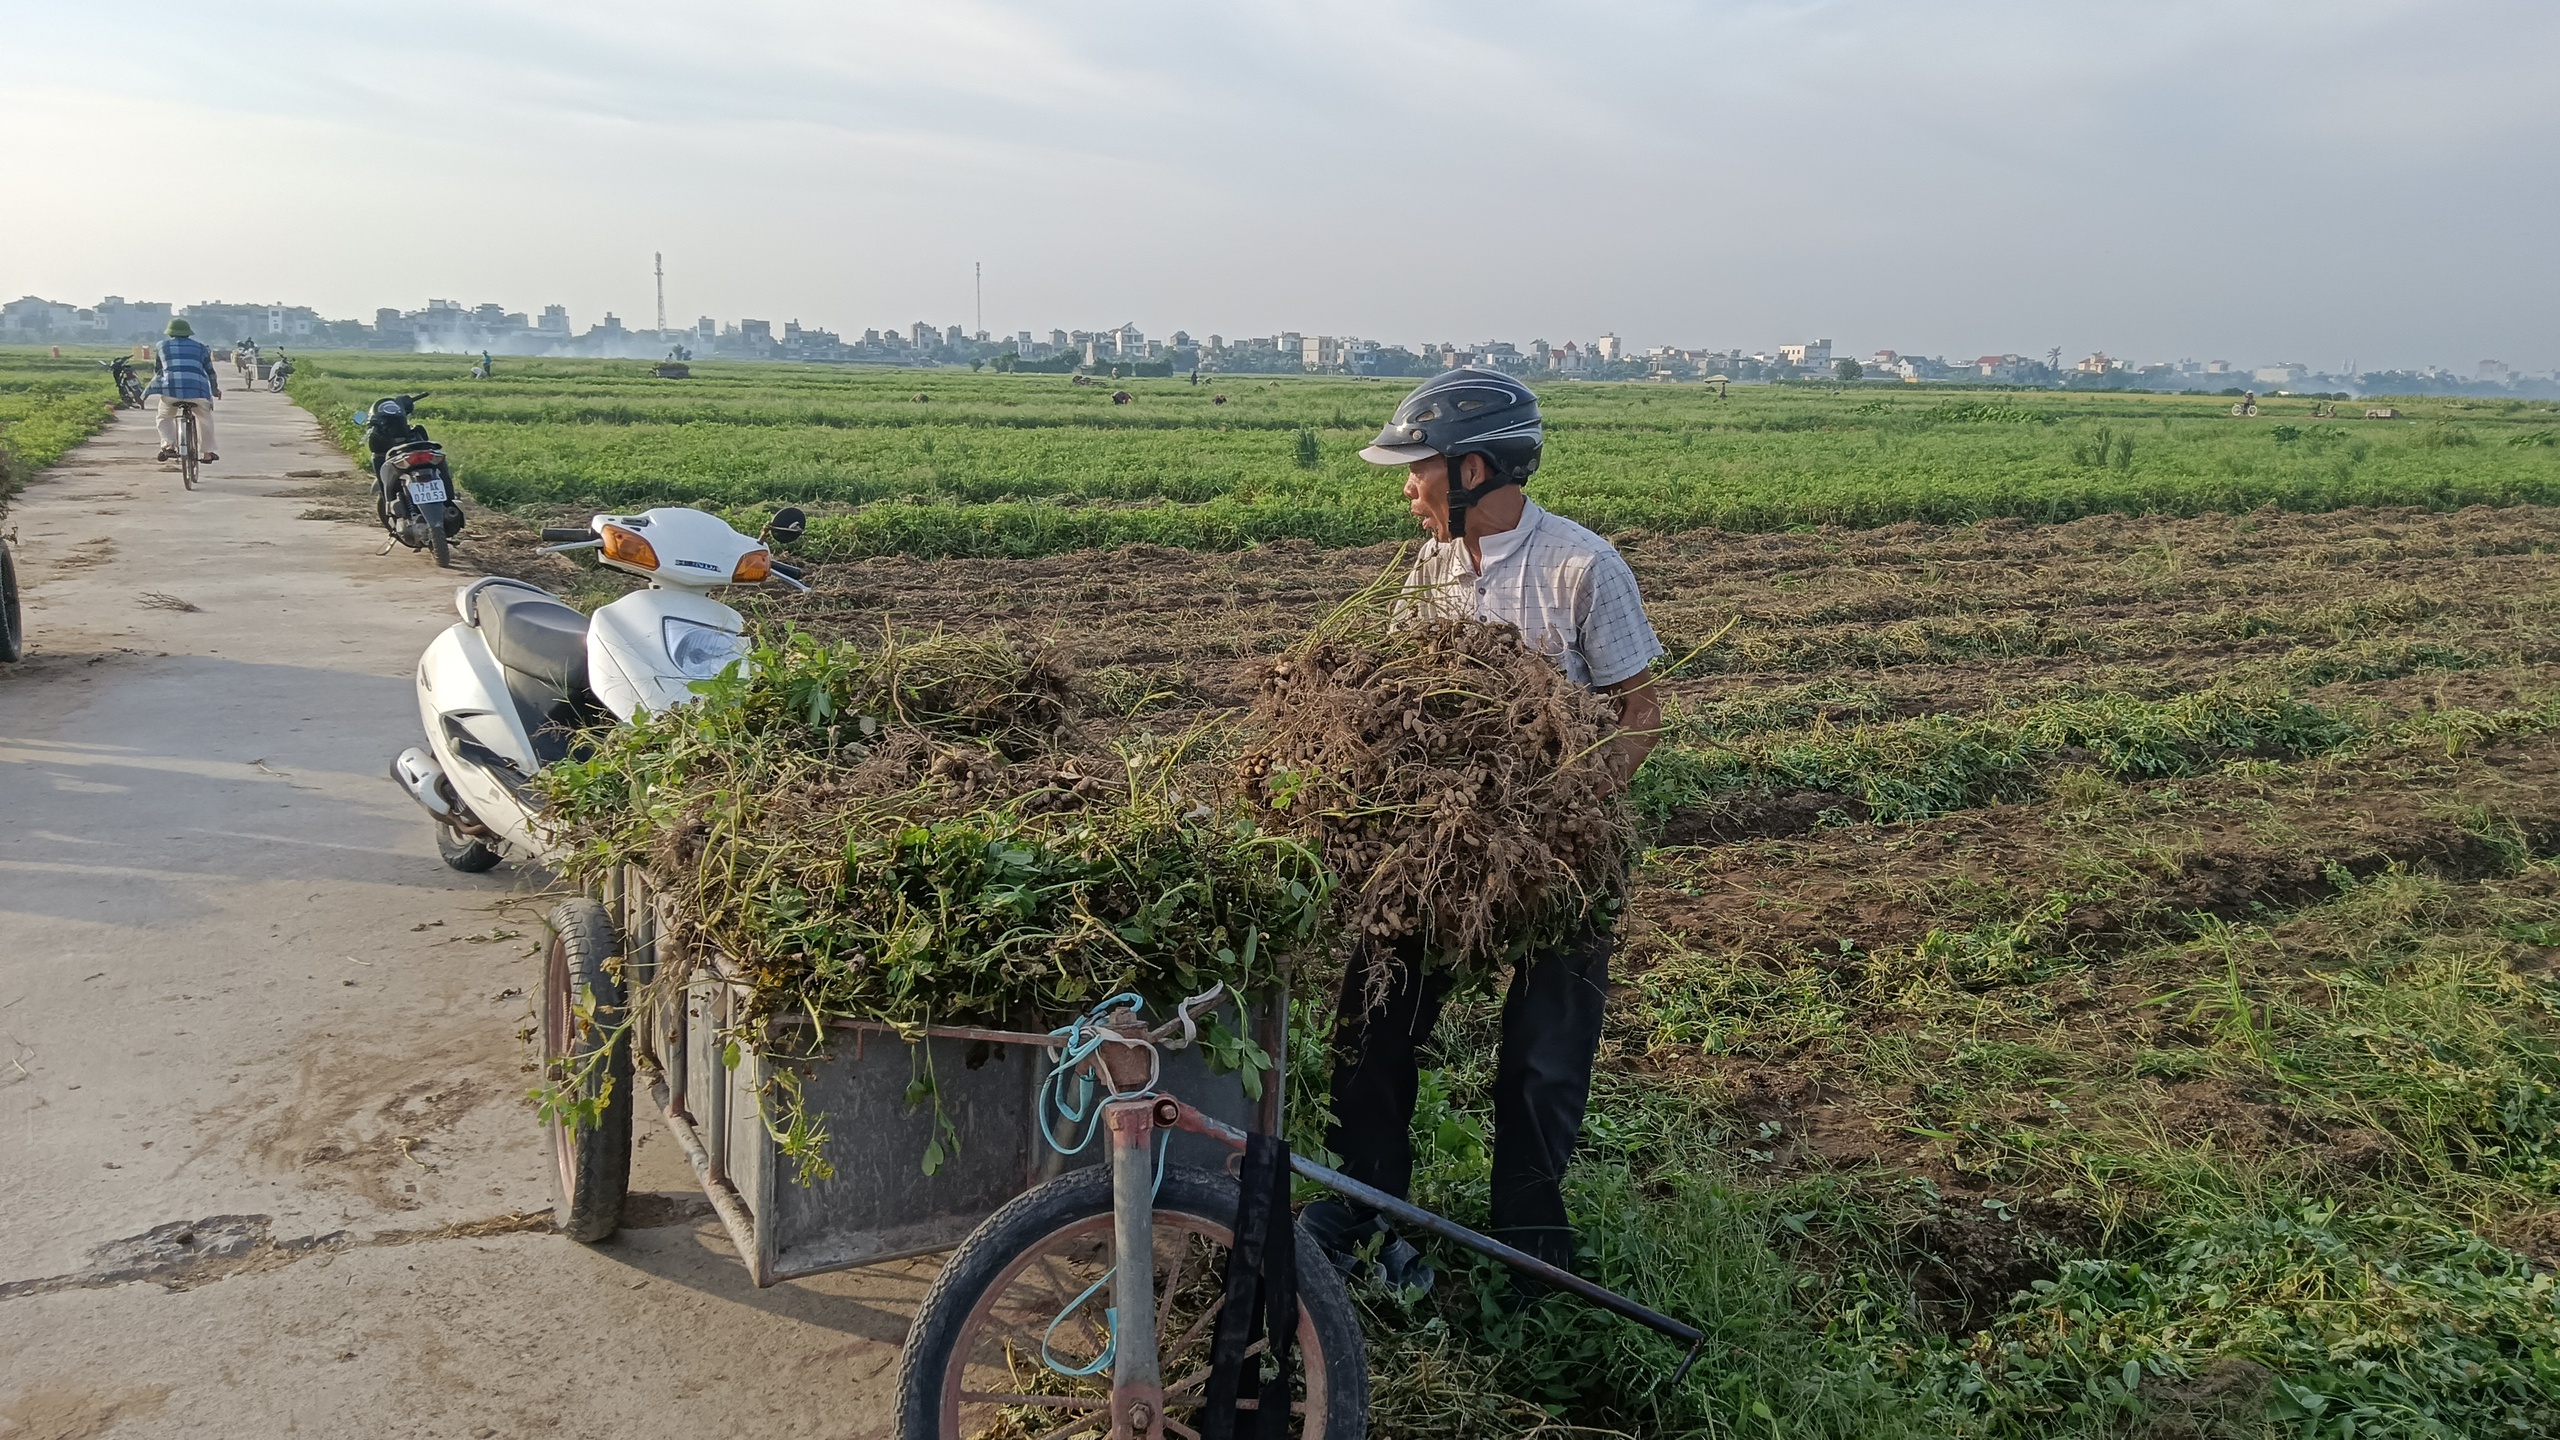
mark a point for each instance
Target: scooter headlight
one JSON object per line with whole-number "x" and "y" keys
{"x": 702, "y": 651}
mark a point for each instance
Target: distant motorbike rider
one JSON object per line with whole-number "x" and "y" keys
{"x": 185, "y": 381}
{"x": 389, "y": 423}
{"x": 1469, "y": 439}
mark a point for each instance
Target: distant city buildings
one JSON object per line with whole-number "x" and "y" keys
{"x": 447, "y": 326}
{"x": 111, "y": 321}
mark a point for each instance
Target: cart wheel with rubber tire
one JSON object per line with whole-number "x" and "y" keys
{"x": 466, "y": 853}
{"x": 1009, "y": 1296}
{"x": 586, "y": 1056}
{"x": 13, "y": 634}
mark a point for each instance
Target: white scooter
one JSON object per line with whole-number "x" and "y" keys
{"x": 504, "y": 692}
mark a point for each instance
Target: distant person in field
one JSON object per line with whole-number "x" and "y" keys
{"x": 186, "y": 381}
{"x": 1468, "y": 441}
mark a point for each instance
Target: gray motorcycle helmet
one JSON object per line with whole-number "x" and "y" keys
{"x": 1465, "y": 412}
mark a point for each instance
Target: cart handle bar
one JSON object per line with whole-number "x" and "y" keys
{"x": 1186, "y": 1118}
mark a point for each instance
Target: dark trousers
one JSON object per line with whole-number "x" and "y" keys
{"x": 1541, "y": 1082}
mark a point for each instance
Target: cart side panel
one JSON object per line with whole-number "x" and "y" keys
{"x": 706, "y": 1088}
{"x": 879, "y": 1203}
{"x": 746, "y": 1150}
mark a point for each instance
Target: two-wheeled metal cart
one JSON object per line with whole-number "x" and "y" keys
{"x": 1086, "y": 1185}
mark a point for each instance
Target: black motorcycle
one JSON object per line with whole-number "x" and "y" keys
{"x": 128, "y": 384}
{"x": 413, "y": 491}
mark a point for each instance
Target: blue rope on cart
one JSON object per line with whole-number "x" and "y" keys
{"x": 1111, "y": 1325}
{"x": 1078, "y": 1040}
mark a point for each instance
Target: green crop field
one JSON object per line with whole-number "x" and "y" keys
{"x": 47, "y": 406}
{"x": 946, "y": 463}
{"x": 2091, "y": 975}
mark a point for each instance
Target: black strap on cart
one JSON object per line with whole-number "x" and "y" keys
{"x": 1262, "y": 1301}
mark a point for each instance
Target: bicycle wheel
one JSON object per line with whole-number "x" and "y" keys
{"x": 187, "y": 446}
{"x": 974, "y": 1364}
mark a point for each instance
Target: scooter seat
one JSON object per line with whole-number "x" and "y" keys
{"x": 541, "y": 644}
{"x": 535, "y": 636}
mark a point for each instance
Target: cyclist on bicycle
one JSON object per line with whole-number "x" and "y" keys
{"x": 186, "y": 381}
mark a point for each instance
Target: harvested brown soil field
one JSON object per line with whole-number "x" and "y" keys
{"x": 1934, "y": 617}
{"x": 2089, "y": 989}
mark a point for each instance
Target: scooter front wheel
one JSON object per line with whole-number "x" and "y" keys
{"x": 465, "y": 853}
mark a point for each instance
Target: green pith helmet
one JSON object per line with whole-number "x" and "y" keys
{"x": 181, "y": 329}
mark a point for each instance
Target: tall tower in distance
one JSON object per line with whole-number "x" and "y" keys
{"x": 661, "y": 258}
{"x": 979, "y": 269}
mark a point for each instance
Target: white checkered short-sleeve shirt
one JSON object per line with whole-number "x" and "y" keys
{"x": 1568, "y": 590}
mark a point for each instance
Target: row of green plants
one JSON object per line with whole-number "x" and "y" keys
{"x": 47, "y": 405}
{"x": 1925, "y": 766}
{"x": 949, "y": 463}
{"x": 2225, "y": 1289}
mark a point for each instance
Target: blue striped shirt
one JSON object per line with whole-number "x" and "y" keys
{"x": 186, "y": 369}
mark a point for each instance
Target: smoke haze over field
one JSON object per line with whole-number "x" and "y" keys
{"x": 2369, "y": 180}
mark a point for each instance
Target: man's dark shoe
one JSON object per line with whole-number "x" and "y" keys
{"x": 168, "y": 452}
{"x": 1556, "y": 1249}
{"x": 1362, "y": 1247}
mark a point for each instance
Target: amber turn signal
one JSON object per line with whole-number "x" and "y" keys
{"x": 627, "y": 547}
{"x": 754, "y": 568}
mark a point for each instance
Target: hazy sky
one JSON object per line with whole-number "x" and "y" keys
{"x": 2367, "y": 180}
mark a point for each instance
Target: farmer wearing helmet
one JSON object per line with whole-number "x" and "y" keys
{"x": 1468, "y": 440}
{"x": 185, "y": 380}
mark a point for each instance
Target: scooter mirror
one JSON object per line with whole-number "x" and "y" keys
{"x": 789, "y": 524}
{"x": 360, "y": 416}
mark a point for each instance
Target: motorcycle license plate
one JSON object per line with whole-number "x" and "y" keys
{"x": 427, "y": 491}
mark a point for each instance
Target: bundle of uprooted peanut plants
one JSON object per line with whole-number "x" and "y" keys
{"x": 1450, "y": 776}
{"x": 923, "y": 832}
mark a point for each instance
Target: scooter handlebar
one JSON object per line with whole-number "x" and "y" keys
{"x": 553, "y": 534}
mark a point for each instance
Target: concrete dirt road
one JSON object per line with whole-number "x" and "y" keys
{"x": 264, "y": 1157}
